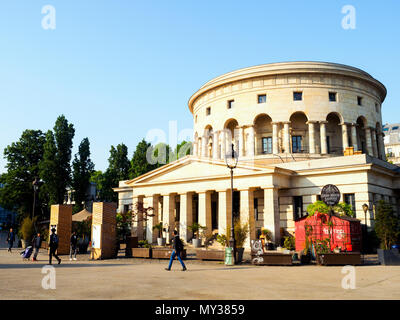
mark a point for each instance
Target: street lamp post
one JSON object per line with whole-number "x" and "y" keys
{"x": 365, "y": 209}
{"x": 231, "y": 159}
{"x": 35, "y": 185}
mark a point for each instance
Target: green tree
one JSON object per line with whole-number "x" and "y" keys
{"x": 387, "y": 225}
{"x": 82, "y": 170}
{"x": 96, "y": 177}
{"x": 118, "y": 170}
{"x": 182, "y": 149}
{"x": 139, "y": 163}
{"x": 23, "y": 159}
{"x": 64, "y": 133}
{"x": 48, "y": 171}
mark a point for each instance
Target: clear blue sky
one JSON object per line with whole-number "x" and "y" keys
{"x": 119, "y": 68}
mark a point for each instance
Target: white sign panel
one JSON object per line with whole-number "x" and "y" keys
{"x": 96, "y": 236}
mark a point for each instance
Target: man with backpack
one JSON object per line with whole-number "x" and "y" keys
{"x": 36, "y": 244}
{"x": 177, "y": 245}
{"x": 53, "y": 244}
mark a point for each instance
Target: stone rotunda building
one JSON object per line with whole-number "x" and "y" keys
{"x": 296, "y": 126}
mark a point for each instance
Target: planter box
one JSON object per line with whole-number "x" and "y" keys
{"x": 165, "y": 253}
{"x": 210, "y": 255}
{"x": 218, "y": 255}
{"x": 272, "y": 258}
{"x": 141, "y": 252}
{"x": 389, "y": 257}
{"x": 339, "y": 259}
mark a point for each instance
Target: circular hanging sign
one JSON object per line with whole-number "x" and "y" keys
{"x": 330, "y": 194}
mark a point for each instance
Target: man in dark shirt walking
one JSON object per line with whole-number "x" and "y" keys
{"x": 53, "y": 244}
{"x": 10, "y": 239}
{"x": 36, "y": 243}
{"x": 177, "y": 245}
{"x": 73, "y": 244}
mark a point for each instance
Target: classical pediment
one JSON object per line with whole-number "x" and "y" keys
{"x": 194, "y": 168}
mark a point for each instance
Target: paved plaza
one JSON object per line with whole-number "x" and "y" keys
{"x": 125, "y": 278}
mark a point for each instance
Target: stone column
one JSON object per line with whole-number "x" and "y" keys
{"x": 271, "y": 213}
{"x": 275, "y": 145}
{"x": 345, "y": 136}
{"x": 241, "y": 143}
{"x": 204, "y": 146}
{"x": 247, "y": 214}
{"x": 205, "y": 218}
{"x": 224, "y": 211}
{"x": 250, "y": 143}
{"x": 152, "y": 201}
{"x": 368, "y": 140}
{"x": 381, "y": 146}
{"x": 223, "y": 144}
{"x": 138, "y": 207}
{"x": 195, "y": 148}
{"x": 215, "y": 145}
{"x": 322, "y": 130}
{"x": 311, "y": 136}
{"x": 354, "y": 136}
{"x": 286, "y": 143}
{"x": 374, "y": 143}
{"x": 186, "y": 215}
{"x": 169, "y": 214}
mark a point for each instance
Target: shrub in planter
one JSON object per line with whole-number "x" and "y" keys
{"x": 290, "y": 243}
{"x": 387, "y": 228}
{"x": 26, "y": 231}
{"x": 160, "y": 240}
{"x": 195, "y": 228}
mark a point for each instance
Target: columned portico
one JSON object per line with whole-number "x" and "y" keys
{"x": 186, "y": 215}
{"x": 247, "y": 213}
{"x": 223, "y": 144}
{"x": 322, "y": 130}
{"x": 374, "y": 143}
{"x": 241, "y": 142}
{"x": 204, "y": 146}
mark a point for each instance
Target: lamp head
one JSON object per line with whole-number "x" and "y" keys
{"x": 231, "y": 158}
{"x": 365, "y": 207}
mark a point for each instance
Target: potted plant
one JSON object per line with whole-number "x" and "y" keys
{"x": 195, "y": 228}
{"x": 267, "y": 236}
{"x": 144, "y": 250}
{"x": 387, "y": 228}
{"x": 160, "y": 240}
{"x": 26, "y": 231}
{"x": 241, "y": 233}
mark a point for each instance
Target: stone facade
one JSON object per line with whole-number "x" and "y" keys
{"x": 288, "y": 150}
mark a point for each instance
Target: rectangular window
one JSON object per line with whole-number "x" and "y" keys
{"x": 126, "y": 208}
{"x": 332, "y": 96}
{"x": 296, "y": 144}
{"x": 266, "y": 145}
{"x": 297, "y": 96}
{"x": 359, "y": 101}
{"x": 350, "y": 199}
{"x": 230, "y": 104}
{"x": 318, "y": 197}
{"x": 208, "y": 111}
{"x": 262, "y": 98}
{"x": 376, "y": 108}
{"x": 297, "y": 207}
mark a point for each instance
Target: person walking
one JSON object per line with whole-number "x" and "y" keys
{"x": 177, "y": 245}
{"x": 53, "y": 244}
{"x": 36, "y": 244}
{"x": 10, "y": 239}
{"x": 73, "y": 245}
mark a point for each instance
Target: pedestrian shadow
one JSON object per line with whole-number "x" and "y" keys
{"x": 219, "y": 269}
